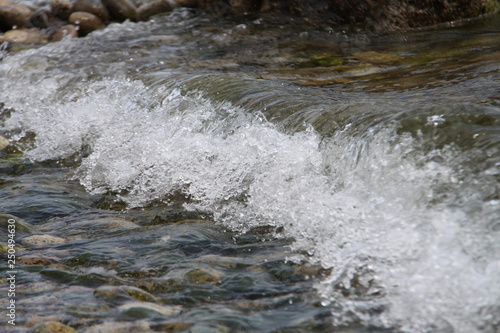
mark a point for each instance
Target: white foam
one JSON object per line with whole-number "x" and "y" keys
{"x": 363, "y": 206}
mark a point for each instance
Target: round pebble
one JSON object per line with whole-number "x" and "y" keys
{"x": 95, "y": 7}
{"x": 85, "y": 22}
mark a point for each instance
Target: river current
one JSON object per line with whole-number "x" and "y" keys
{"x": 255, "y": 175}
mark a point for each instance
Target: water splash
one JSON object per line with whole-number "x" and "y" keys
{"x": 408, "y": 228}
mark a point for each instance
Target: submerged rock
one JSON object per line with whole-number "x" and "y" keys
{"x": 36, "y": 240}
{"x": 148, "y": 310}
{"x": 204, "y": 276}
{"x": 36, "y": 260}
{"x": 52, "y": 327}
{"x": 22, "y": 227}
{"x": 116, "y": 293}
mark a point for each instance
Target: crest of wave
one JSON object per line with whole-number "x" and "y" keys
{"x": 364, "y": 206}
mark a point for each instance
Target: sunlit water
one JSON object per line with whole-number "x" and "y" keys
{"x": 315, "y": 185}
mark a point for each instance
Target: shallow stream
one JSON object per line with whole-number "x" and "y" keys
{"x": 203, "y": 174}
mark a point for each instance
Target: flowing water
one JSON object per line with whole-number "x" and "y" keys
{"x": 204, "y": 174}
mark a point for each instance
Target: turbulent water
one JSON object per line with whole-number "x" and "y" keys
{"x": 375, "y": 159}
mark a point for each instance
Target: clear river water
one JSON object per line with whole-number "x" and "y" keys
{"x": 197, "y": 173}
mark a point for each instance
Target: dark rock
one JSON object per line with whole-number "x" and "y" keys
{"x": 85, "y": 22}
{"x": 61, "y": 8}
{"x": 121, "y": 10}
{"x": 67, "y": 30}
{"x": 41, "y": 18}
{"x": 154, "y": 7}
{"x": 186, "y": 3}
{"x": 13, "y": 15}
{"x": 378, "y": 15}
{"x": 243, "y": 6}
{"x": 95, "y": 7}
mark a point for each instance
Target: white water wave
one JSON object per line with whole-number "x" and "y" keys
{"x": 363, "y": 206}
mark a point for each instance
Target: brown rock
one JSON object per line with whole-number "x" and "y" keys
{"x": 25, "y": 10}
{"x": 12, "y": 17}
{"x": 85, "y": 22}
{"x": 24, "y": 36}
{"x": 121, "y": 10}
{"x": 154, "y": 7}
{"x": 92, "y": 6}
{"x": 67, "y": 30}
{"x": 61, "y": 8}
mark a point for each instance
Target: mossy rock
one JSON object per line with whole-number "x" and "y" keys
{"x": 323, "y": 61}
{"x": 36, "y": 260}
{"x": 203, "y": 276}
{"x": 52, "y": 327}
{"x": 22, "y": 227}
{"x": 377, "y": 58}
{"x": 116, "y": 293}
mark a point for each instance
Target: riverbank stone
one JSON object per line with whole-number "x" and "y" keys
{"x": 95, "y": 7}
{"x": 152, "y": 8}
{"x": 85, "y": 23}
{"x": 121, "y": 10}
